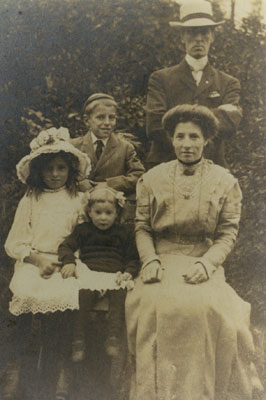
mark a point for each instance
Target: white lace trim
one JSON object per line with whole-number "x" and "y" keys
{"x": 56, "y": 294}
{"x": 19, "y": 306}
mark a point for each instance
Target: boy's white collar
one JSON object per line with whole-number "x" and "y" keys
{"x": 94, "y": 139}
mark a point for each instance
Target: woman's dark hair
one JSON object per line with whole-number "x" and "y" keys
{"x": 35, "y": 181}
{"x": 199, "y": 115}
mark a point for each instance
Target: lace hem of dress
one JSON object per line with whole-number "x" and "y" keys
{"x": 18, "y": 306}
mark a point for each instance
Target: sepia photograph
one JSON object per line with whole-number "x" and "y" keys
{"x": 133, "y": 200}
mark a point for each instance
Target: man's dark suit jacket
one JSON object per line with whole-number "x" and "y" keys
{"x": 118, "y": 165}
{"x": 175, "y": 85}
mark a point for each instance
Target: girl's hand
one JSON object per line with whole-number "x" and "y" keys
{"x": 68, "y": 270}
{"x": 45, "y": 265}
{"x": 46, "y": 270}
{"x": 196, "y": 273}
{"x": 152, "y": 272}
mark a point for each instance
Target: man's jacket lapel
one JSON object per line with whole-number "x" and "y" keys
{"x": 206, "y": 80}
{"x": 185, "y": 75}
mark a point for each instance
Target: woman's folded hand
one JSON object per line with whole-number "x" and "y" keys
{"x": 196, "y": 273}
{"x": 152, "y": 272}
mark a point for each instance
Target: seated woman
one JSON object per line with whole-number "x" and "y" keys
{"x": 188, "y": 330}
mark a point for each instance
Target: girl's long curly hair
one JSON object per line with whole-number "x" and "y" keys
{"x": 35, "y": 180}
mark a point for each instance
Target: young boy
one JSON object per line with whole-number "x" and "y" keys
{"x": 113, "y": 159}
{"x": 105, "y": 246}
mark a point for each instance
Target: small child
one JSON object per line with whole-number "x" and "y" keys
{"x": 114, "y": 159}
{"x": 46, "y": 214}
{"x": 108, "y": 247}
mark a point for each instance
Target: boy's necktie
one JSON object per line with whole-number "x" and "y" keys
{"x": 99, "y": 148}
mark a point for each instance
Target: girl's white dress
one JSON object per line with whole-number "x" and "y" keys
{"x": 40, "y": 225}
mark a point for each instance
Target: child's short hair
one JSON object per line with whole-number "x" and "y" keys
{"x": 96, "y": 100}
{"x": 35, "y": 180}
{"x": 106, "y": 195}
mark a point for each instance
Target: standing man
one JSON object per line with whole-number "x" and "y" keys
{"x": 193, "y": 81}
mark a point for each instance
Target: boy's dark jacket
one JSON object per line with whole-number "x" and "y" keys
{"x": 118, "y": 165}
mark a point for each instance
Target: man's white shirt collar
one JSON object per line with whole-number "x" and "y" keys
{"x": 196, "y": 64}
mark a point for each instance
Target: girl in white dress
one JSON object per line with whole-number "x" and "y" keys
{"x": 47, "y": 213}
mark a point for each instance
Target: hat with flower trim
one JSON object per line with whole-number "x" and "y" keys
{"x": 52, "y": 140}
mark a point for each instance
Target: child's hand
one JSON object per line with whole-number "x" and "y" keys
{"x": 68, "y": 270}
{"x": 122, "y": 277}
{"x": 126, "y": 276}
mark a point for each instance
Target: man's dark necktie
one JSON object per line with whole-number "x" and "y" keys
{"x": 99, "y": 148}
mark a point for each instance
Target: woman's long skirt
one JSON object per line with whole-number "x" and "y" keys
{"x": 189, "y": 342}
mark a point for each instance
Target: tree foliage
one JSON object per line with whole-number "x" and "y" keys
{"x": 56, "y": 53}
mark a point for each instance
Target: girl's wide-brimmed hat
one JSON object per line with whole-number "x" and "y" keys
{"x": 195, "y": 14}
{"x": 52, "y": 140}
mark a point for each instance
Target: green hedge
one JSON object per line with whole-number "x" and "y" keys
{"x": 56, "y": 53}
